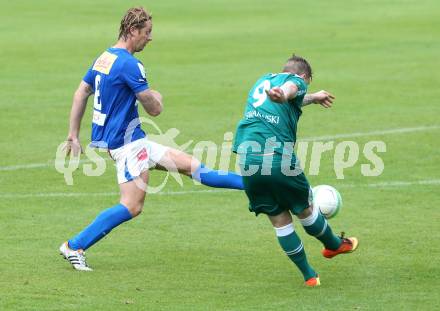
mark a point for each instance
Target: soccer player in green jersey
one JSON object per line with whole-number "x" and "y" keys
{"x": 273, "y": 181}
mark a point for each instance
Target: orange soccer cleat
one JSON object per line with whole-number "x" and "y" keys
{"x": 313, "y": 282}
{"x": 348, "y": 245}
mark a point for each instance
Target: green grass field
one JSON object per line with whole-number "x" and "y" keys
{"x": 198, "y": 250}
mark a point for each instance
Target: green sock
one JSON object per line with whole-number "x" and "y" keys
{"x": 317, "y": 226}
{"x": 292, "y": 245}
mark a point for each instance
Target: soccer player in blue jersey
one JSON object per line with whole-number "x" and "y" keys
{"x": 117, "y": 79}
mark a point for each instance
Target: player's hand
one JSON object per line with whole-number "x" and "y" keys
{"x": 73, "y": 146}
{"x": 277, "y": 95}
{"x": 323, "y": 98}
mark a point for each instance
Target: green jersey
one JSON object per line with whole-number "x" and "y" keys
{"x": 267, "y": 126}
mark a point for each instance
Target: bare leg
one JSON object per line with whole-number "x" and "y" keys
{"x": 178, "y": 161}
{"x": 133, "y": 194}
{"x": 131, "y": 204}
{"x": 281, "y": 220}
{"x": 306, "y": 213}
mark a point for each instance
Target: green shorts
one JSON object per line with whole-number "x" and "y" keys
{"x": 272, "y": 194}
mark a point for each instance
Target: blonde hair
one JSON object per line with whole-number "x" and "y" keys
{"x": 135, "y": 17}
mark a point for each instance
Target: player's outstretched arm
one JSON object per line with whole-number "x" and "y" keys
{"x": 78, "y": 107}
{"x": 151, "y": 100}
{"x": 322, "y": 97}
{"x": 282, "y": 94}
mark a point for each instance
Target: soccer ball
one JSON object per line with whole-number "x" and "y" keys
{"x": 327, "y": 199}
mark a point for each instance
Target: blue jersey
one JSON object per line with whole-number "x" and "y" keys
{"x": 116, "y": 76}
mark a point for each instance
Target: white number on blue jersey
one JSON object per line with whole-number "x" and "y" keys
{"x": 98, "y": 117}
{"x": 97, "y": 101}
{"x": 260, "y": 93}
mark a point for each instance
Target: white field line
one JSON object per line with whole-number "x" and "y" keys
{"x": 388, "y": 184}
{"x": 101, "y": 194}
{"x": 307, "y": 139}
{"x": 397, "y": 184}
{"x": 34, "y": 165}
{"x": 372, "y": 133}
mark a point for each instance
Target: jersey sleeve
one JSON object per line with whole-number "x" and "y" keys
{"x": 89, "y": 77}
{"x": 302, "y": 86}
{"x": 134, "y": 75}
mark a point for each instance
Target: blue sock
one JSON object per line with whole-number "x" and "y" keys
{"x": 218, "y": 179}
{"x": 102, "y": 225}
